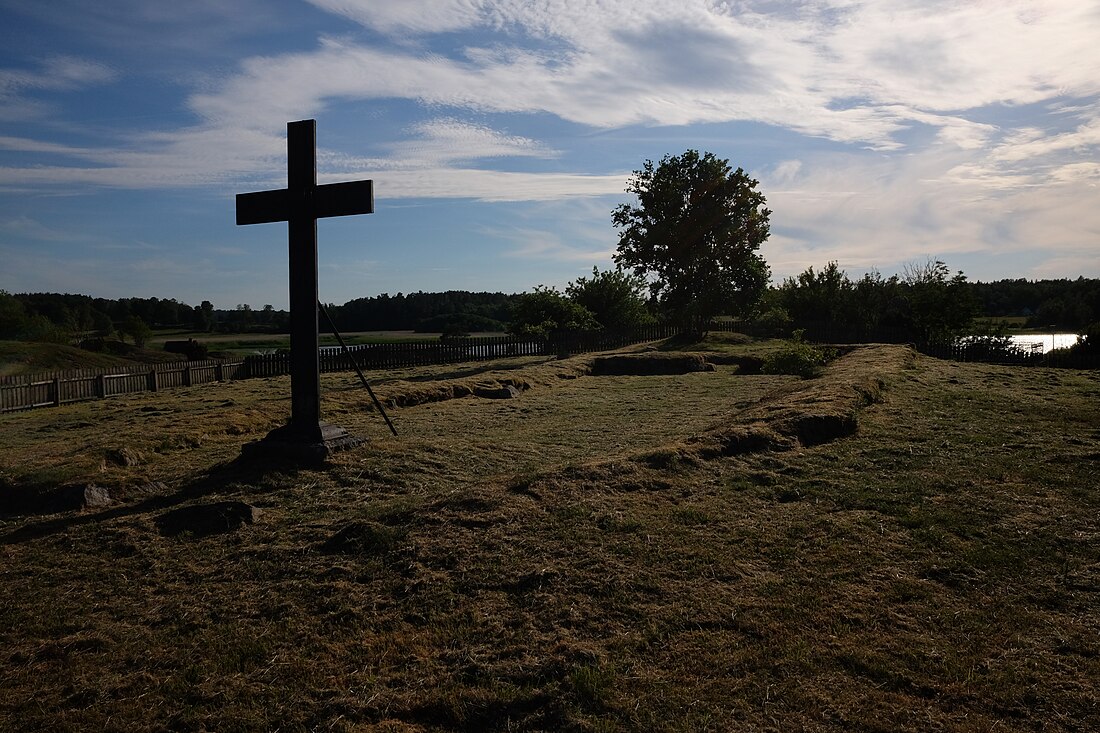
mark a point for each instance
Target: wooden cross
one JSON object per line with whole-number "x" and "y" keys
{"x": 301, "y": 204}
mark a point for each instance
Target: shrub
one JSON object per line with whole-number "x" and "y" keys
{"x": 545, "y": 311}
{"x": 798, "y": 358}
{"x": 1089, "y": 341}
{"x": 774, "y": 321}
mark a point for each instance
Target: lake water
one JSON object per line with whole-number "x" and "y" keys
{"x": 1044, "y": 341}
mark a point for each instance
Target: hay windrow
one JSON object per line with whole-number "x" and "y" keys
{"x": 651, "y": 363}
{"x": 809, "y": 412}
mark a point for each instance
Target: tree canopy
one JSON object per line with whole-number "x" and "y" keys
{"x": 614, "y": 297}
{"x": 545, "y": 311}
{"x": 694, "y": 234}
{"x": 926, "y": 303}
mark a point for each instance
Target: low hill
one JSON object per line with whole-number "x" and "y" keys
{"x": 29, "y": 357}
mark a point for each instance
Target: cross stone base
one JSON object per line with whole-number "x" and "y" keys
{"x": 290, "y": 442}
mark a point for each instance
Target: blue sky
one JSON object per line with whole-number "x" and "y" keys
{"x": 500, "y": 135}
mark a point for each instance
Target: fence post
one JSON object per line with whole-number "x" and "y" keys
{"x": 187, "y": 376}
{"x": 57, "y": 391}
{"x": 153, "y": 380}
{"x": 101, "y": 385}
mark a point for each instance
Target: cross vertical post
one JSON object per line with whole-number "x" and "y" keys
{"x": 300, "y": 204}
{"x": 305, "y": 345}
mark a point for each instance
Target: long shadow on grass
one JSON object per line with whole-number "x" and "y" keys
{"x": 243, "y": 471}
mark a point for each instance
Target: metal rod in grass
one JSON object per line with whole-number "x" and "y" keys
{"x": 354, "y": 363}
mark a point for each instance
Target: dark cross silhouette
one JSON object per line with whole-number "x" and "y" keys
{"x": 301, "y": 204}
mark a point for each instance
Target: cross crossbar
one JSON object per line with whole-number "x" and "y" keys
{"x": 328, "y": 200}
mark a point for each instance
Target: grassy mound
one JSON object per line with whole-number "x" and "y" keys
{"x": 26, "y": 357}
{"x": 650, "y": 363}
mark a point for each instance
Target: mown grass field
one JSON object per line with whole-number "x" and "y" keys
{"x": 898, "y": 544}
{"x": 243, "y": 344}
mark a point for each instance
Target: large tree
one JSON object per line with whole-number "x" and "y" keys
{"x": 694, "y": 235}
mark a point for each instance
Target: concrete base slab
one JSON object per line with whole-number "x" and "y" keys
{"x": 310, "y": 445}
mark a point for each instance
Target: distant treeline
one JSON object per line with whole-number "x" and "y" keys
{"x": 452, "y": 311}
{"x": 65, "y": 317}
{"x": 827, "y": 294}
{"x": 927, "y": 302}
{"x": 1068, "y": 304}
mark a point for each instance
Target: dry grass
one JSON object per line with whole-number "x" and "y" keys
{"x": 19, "y": 358}
{"x": 681, "y": 553}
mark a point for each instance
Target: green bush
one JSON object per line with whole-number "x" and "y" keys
{"x": 797, "y": 358}
{"x": 1089, "y": 341}
{"x": 774, "y": 321}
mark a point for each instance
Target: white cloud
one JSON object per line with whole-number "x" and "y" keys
{"x": 850, "y": 72}
{"x": 448, "y": 140}
{"x": 881, "y": 212}
{"x": 57, "y": 72}
{"x": 847, "y": 71}
{"x": 540, "y": 244}
{"x": 1033, "y": 143}
{"x": 485, "y": 185}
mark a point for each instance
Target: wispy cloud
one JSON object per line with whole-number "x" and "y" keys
{"x": 847, "y": 71}
{"x": 866, "y": 212}
{"x": 539, "y": 244}
{"x": 494, "y": 186}
{"x": 447, "y": 140}
{"x": 28, "y": 228}
{"x": 53, "y": 74}
{"x": 57, "y": 72}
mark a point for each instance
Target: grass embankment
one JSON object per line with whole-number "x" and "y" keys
{"x": 599, "y": 553}
{"x": 30, "y": 357}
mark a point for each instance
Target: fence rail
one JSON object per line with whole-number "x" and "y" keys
{"x": 56, "y": 388}
{"x": 51, "y": 389}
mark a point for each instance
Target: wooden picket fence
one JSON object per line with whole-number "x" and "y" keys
{"x": 53, "y": 389}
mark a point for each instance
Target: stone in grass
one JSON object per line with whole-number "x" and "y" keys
{"x": 76, "y": 497}
{"x": 124, "y": 456}
{"x": 503, "y": 392}
{"x": 202, "y": 520}
{"x": 68, "y": 498}
{"x": 96, "y": 497}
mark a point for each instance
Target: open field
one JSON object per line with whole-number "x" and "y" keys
{"x": 250, "y": 343}
{"x": 899, "y": 544}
